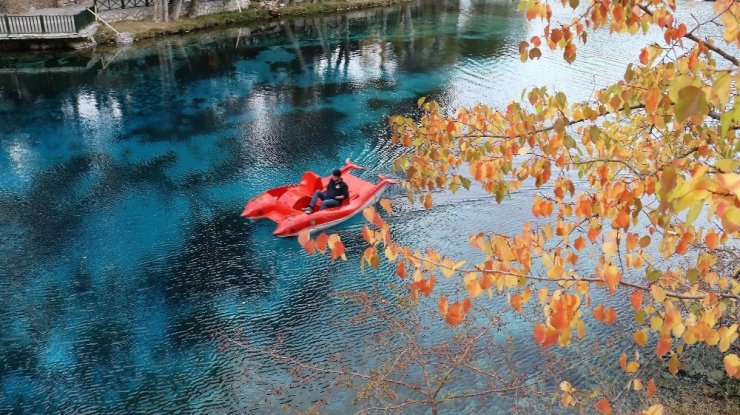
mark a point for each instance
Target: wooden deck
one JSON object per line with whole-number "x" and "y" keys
{"x": 48, "y": 26}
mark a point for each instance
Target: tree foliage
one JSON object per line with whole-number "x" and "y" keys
{"x": 661, "y": 203}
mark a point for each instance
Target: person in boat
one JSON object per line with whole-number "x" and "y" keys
{"x": 336, "y": 191}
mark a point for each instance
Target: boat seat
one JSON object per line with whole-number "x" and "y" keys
{"x": 310, "y": 182}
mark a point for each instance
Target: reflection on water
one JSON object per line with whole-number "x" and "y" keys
{"x": 122, "y": 174}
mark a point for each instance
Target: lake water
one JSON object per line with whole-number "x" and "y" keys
{"x": 123, "y": 258}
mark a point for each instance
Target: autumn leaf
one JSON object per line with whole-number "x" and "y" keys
{"x": 653, "y": 410}
{"x": 579, "y": 243}
{"x": 732, "y": 365}
{"x": 712, "y": 240}
{"x": 321, "y": 242}
{"x": 640, "y": 337}
{"x": 401, "y": 269}
{"x": 664, "y": 346}
{"x": 651, "y": 388}
{"x": 546, "y": 336}
{"x": 636, "y": 299}
{"x": 604, "y": 407}
{"x": 386, "y": 205}
{"x": 692, "y": 101}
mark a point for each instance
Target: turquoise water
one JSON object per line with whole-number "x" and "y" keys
{"x": 123, "y": 260}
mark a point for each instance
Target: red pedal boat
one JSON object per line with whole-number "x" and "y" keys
{"x": 283, "y": 204}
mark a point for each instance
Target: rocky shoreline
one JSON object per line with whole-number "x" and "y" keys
{"x": 147, "y": 29}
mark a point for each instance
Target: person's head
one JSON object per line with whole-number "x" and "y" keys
{"x": 336, "y": 175}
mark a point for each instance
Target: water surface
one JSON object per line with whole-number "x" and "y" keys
{"x": 122, "y": 175}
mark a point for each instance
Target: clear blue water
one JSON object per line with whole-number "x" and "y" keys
{"x": 122, "y": 256}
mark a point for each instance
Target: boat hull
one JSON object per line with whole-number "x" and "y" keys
{"x": 283, "y": 205}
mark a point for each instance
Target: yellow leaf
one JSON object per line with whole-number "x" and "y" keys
{"x": 673, "y": 365}
{"x": 637, "y": 384}
{"x": 653, "y": 410}
{"x": 632, "y": 367}
{"x": 565, "y": 386}
{"x": 390, "y": 253}
{"x": 542, "y": 295}
{"x": 732, "y": 365}
{"x": 658, "y": 293}
{"x": 727, "y": 336}
{"x": 656, "y": 323}
{"x": 731, "y": 182}
{"x": 472, "y": 284}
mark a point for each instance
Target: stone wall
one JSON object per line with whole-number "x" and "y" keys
{"x": 22, "y": 6}
{"x": 142, "y": 13}
{"x": 133, "y": 13}
{"x": 212, "y": 7}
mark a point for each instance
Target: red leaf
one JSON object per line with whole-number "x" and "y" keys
{"x": 651, "y": 388}
{"x": 401, "y": 269}
{"x": 604, "y": 407}
{"x": 321, "y": 242}
{"x": 664, "y": 346}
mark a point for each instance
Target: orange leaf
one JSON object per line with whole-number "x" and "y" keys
{"x": 598, "y": 313}
{"x": 321, "y": 242}
{"x": 611, "y": 316}
{"x": 579, "y": 243}
{"x": 732, "y": 365}
{"x": 310, "y": 247}
{"x": 612, "y": 277}
{"x": 604, "y": 407}
{"x": 644, "y": 56}
{"x": 401, "y": 269}
{"x": 517, "y": 301}
{"x": 623, "y": 220}
{"x": 651, "y": 388}
{"x": 386, "y": 205}
{"x": 559, "y": 319}
{"x": 428, "y": 201}
{"x": 303, "y": 237}
{"x": 636, "y": 299}
{"x": 454, "y": 313}
{"x": 378, "y": 221}
{"x": 623, "y": 361}
{"x": 712, "y": 240}
{"x": 544, "y": 335}
{"x": 640, "y": 338}
{"x": 632, "y": 240}
{"x": 593, "y": 233}
{"x": 337, "y": 250}
{"x": 368, "y": 235}
{"x": 369, "y": 213}
{"x": 651, "y": 99}
{"x": 664, "y": 346}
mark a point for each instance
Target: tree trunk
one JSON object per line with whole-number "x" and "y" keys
{"x": 160, "y": 11}
{"x": 176, "y": 9}
{"x": 193, "y": 9}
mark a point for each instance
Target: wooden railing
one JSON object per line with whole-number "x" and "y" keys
{"x": 30, "y": 25}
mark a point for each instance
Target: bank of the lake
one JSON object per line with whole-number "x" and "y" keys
{"x": 147, "y": 29}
